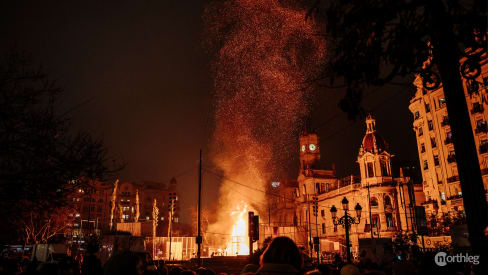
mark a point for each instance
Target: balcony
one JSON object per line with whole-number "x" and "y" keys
{"x": 481, "y": 128}
{"x": 451, "y": 158}
{"x": 483, "y": 148}
{"x": 448, "y": 140}
{"x": 431, "y": 201}
{"x": 477, "y": 108}
{"x": 473, "y": 87}
{"x": 452, "y": 179}
{"x": 454, "y": 197}
{"x": 445, "y": 121}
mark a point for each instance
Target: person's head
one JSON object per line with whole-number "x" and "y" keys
{"x": 204, "y": 271}
{"x": 175, "y": 270}
{"x": 282, "y": 250}
{"x": 350, "y": 269}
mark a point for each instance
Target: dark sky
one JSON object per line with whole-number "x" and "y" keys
{"x": 139, "y": 72}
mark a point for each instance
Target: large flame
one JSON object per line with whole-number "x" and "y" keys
{"x": 238, "y": 244}
{"x": 265, "y": 53}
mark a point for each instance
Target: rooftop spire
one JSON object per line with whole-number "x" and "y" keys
{"x": 370, "y": 124}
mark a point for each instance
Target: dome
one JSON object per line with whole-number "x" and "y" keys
{"x": 369, "y": 141}
{"x": 372, "y": 139}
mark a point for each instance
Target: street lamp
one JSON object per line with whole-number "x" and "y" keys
{"x": 346, "y": 221}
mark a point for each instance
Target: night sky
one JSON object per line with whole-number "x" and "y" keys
{"x": 135, "y": 74}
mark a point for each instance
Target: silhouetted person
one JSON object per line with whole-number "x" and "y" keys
{"x": 204, "y": 271}
{"x": 122, "y": 263}
{"x": 281, "y": 257}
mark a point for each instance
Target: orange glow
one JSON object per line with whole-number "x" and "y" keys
{"x": 238, "y": 244}
{"x": 264, "y": 55}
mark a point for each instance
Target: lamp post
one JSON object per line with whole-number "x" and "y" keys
{"x": 346, "y": 221}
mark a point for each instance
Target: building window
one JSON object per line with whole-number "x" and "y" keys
{"x": 422, "y": 148}
{"x": 433, "y": 143}
{"x": 176, "y": 219}
{"x": 375, "y": 222}
{"x": 417, "y": 115}
{"x": 323, "y": 228}
{"x": 389, "y": 220}
{"x": 431, "y": 125}
{"x": 483, "y": 146}
{"x": 335, "y": 228}
{"x": 451, "y": 157}
{"x": 436, "y": 160}
{"x": 387, "y": 201}
{"x": 421, "y": 131}
{"x": 448, "y": 138}
{"x": 427, "y": 108}
{"x": 477, "y": 108}
{"x": 374, "y": 202}
{"x": 384, "y": 168}
{"x": 322, "y": 213}
{"x": 370, "y": 169}
{"x": 442, "y": 102}
{"x": 443, "y": 196}
{"x": 426, "y": 165}
{"x": 481, "y": 126}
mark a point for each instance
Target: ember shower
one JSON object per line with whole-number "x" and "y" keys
{"x": 264, "y": 55}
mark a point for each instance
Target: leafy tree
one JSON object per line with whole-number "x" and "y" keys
{"x": 41, "y": 159}
{"x": 371, "y": 42}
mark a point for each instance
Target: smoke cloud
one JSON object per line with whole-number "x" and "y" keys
{"x": 264, "y": 55}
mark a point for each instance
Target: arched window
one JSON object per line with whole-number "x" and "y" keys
{"x": 374, "y": 202}
{"x": 387, "y": 201}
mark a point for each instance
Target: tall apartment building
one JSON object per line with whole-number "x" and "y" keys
{"x": 434, "y": 141}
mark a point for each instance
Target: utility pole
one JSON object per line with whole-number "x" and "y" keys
{"x": 370, "y": 216}
{"x": 309, "y": 225}
{"x": 199, "y": 237}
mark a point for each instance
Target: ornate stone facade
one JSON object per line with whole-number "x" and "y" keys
{"x": 386, "y": 201}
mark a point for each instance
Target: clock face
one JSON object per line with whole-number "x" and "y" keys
{"x": 312, "y": 147}
{"x": 303, "y": 148}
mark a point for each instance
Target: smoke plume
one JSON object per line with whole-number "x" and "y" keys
{"x": 264, "y": 55}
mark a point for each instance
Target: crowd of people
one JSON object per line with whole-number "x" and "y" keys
{"x": 281, "y": 256}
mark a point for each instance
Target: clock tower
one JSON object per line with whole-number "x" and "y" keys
{"x": 309, "y": 150}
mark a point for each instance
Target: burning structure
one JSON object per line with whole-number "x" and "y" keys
{"x": 264, "y": 53}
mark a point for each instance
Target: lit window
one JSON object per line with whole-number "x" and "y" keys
{"x": 460, "y": 193}
{"x": 176, "y": 219}
{"x": 436, "y": 160}
{"x": 77, "y": 215}
{"x": 442, "y": 102}
{"x": 147, "y": 217}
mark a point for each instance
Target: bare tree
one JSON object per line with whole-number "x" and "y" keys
{"x": 42, "y": 160}
{"x": 40, "y": 227}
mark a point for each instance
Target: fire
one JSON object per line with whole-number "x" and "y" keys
{"x": 264, "y": 54}
{"x": 238, "y": 245}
